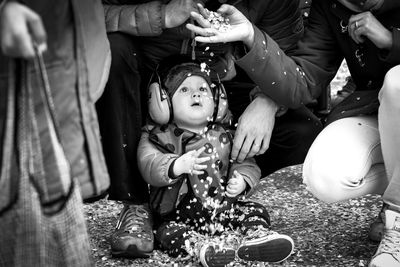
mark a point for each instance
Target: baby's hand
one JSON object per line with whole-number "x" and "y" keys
{"x": 190, "y": 163}
{"x": 236, "y": 185}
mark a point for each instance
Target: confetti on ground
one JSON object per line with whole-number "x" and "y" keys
{"x": 324, "y": 235}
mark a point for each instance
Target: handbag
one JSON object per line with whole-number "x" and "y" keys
{"x": 41, "y": 216}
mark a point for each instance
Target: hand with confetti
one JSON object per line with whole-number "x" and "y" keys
{"x": 240, "y": 29}
{"x": 236, "y": 185}
{"x": 191, "y": 163}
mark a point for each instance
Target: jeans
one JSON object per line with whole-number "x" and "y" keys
{"x": 356, "y": 156}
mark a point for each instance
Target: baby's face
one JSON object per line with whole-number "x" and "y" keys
{"x": 193, "y": 103}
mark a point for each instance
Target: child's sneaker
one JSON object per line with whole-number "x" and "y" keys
{"x": 212, "y": 255}
{"x": 266, "y": 246}
{"x": 388, "y": 253}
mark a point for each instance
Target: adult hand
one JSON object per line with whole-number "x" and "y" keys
{"x": 241, "y": 29}
{"x": 178, "y": 11}
{"x": 190, "y": 163}
{"x": 365, "y": 25}
{"x": 254, "y": 129}
{"x": 20, "y": 27}
{"x": 236, "y": 185}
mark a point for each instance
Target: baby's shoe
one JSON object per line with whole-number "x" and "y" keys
{"x": 212, "y": 255}
{"x": 266, "y": 246}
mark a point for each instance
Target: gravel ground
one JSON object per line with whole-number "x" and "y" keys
{"x": 324, "y": 235}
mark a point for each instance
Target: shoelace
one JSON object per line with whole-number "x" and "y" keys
{"x": 259, "y": 232}
{"x": 390, "y": 244}
{"x": 134, "y": 219}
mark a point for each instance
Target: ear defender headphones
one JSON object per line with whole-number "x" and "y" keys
{"x": 159, "y": 102}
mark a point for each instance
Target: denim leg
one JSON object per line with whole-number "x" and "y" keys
{"x": 389, "y": 128}
{"x": 345, "y": 161}
{"x": 120, "y": 118}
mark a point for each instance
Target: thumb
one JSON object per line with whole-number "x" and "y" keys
{"x": 226, "y": 9}
{"x": 36, "y": 28}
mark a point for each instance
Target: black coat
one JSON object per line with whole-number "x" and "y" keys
{"x": 300, "y": 78}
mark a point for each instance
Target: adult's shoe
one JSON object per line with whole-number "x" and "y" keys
{"x": 388, "y": 252}
{"x": 133, "y": 236}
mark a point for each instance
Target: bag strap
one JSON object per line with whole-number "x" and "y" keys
{"x": 8, "y": 184}
{"x": 58, "y": 181}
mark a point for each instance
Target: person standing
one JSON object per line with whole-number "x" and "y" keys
{"x": 49, "y": 165}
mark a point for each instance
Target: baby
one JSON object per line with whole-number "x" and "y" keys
{"x": 197, "y": 192}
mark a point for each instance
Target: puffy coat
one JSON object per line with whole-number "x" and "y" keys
{"x": 161, "y": 146}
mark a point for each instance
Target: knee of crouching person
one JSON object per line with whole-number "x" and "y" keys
{"x": 391, "y": 86}
{"x": 322, "y": 183}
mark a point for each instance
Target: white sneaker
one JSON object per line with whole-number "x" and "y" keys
{"x": 266, "y": 246}
{"x": 388, "y": 252}
{"x": 212, "y": 255}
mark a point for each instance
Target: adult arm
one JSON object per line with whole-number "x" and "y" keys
{"x": 146, "y": 19}
{"x": 282, "y": 21}
{"x": 290, "y": 81}
{"x": 299, "y": 79}
{"x": 141, "y": 20}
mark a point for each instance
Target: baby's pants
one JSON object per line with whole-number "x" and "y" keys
{"x": 172, "y": 235}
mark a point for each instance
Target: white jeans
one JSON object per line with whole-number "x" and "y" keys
{"x": 347, "y": 158}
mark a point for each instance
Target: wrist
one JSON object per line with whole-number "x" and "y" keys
{"x": 249, "y": 38}
{"x": 274, "y": 107}
{"x": 176, "y": 168}
{"x": 389, "y": 41}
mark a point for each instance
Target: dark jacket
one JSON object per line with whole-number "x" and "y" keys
{"x": 300, "y": 78}
{"x": 77, "y": 63}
